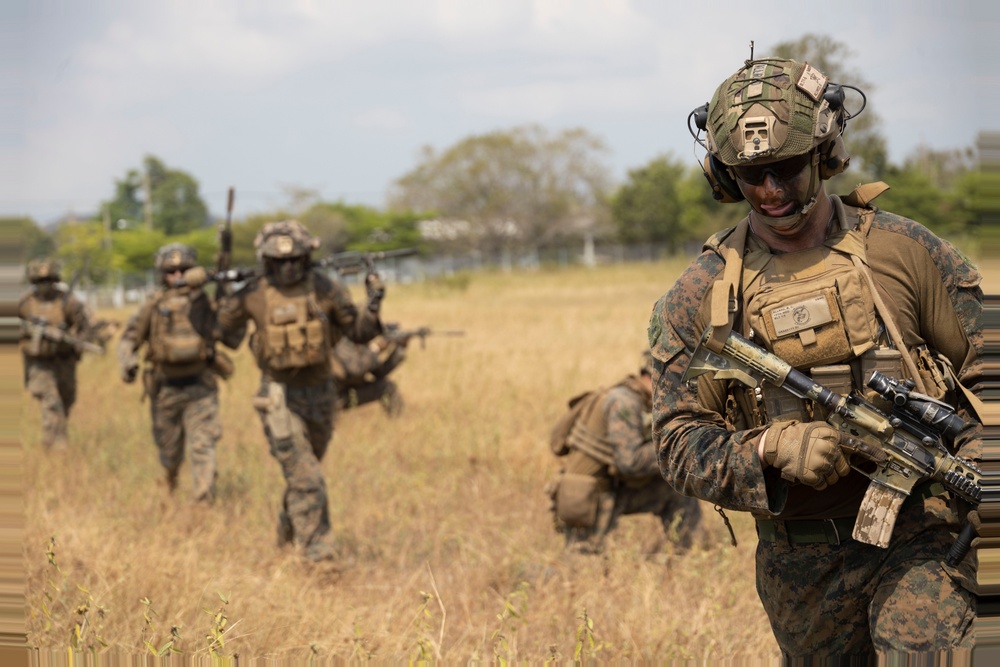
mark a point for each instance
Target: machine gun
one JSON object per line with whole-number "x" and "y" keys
{"x": 897, "y": 450}
{"x": 403, "y": 336}
{"x": 39, "y": 329}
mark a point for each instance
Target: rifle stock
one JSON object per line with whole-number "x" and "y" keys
{"x": 899, "y": 450}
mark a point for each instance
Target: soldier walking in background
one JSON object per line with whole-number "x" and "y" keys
{"x": 299, "y": 314}
{"x": 609, "y": 468}
{"x": 53, "y": 324}
{"x": 177, "y": 326}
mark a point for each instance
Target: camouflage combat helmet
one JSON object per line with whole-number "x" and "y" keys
{"x": 45, "y": 269}
{"x": 773, "y": 109}
{"x": 284, "y": 240}
{"x": 174, "y": 256}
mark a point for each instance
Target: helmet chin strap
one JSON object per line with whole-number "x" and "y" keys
{"x": 802, "y": 213}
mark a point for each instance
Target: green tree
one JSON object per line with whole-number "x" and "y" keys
{"x": 865, "y": 143}
{"x": 518, "y": 188}
{"x": 647, "y": 208}
{"x": 24, "y": 239}
{"x": 174, "y": 204}
{"x": 85, "y": 251}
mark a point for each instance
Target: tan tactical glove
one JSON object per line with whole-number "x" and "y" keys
{"x": 806, "y": 453}
{"x": 195, "y": 277}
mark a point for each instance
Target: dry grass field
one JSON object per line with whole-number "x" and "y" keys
{"x": 455, "y": 558}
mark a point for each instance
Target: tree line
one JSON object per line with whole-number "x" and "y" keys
{"x": 518, "y": 190}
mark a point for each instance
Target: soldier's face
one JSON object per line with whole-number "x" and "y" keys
{"x": 45, "y": 288}
{"x": 173, "y": 276}
{"x": 779, "y": 188}
{"x": 289, "y": 271}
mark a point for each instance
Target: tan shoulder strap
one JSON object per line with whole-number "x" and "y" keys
{"x": 726, "y": 291}
{"x": 859, "y": 257}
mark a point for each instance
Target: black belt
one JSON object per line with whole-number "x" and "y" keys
{"x": 829, "y": 531}
{"x": 185, "y": 381}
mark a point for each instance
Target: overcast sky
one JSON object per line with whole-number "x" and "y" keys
{"x": 340, "y": 95}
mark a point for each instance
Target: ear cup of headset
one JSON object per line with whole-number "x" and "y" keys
{"x": 724, "y": 187}
{"x": 833, "y": 158}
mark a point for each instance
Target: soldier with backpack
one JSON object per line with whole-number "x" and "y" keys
{"x": 609, "y": 468}
{"x": 176, "y": 325}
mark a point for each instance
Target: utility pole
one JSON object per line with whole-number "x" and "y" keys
{"x": 147, "y": 207}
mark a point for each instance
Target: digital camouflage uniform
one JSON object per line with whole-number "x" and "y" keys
{"x": 361, "y": 373}
{"x": 628, "y": 481}
{"x": 297, "y": 402}
{"x": 183, "y": 395}
{"x": 851, "y": 290}
{"x": 49, "y": 366}
{"x": 847, "y": 597}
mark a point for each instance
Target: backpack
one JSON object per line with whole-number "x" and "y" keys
{"x": 578, "y": 405}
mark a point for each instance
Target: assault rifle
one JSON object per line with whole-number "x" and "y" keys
{"x": 39, "y": 328}
{"x": 352, "y": 261}
{"x": 897, "y": 450}
{"x": 225, "y": 256}
{"x": 394, "y": 333}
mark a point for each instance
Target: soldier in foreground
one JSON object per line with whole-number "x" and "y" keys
{"x": 177, "y": 325}
{"x": 837, "y": 289}
{"x": 609, "y": 468}
{"x": 298, "y": 314}
{"x": 53, "y": 326}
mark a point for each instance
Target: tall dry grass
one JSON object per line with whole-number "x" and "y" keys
{"x": 456, "y": 558}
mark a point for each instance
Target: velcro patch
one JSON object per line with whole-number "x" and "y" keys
{"x": 796, "y": 317}
{"x": 812, "y": 82}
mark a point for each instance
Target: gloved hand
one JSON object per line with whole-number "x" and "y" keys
{"x": 196, "y": 276}
{"x": 375, "y": 289}
{"x": 808, "y": 453}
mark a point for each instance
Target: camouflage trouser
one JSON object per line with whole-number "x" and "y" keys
{"x": 679, "y": 515}
{"x": 52, "y": 382}
{"x": 305, "y": 515}
{"x": 187, "y": 417}
{"x": 854, "y": 599}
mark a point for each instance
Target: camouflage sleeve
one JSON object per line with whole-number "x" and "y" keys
{"x": 232, "y": 317}
{"x": 335, "y": 300}
{"x": 698, "y": 454}
{"x": 77, "y": 316}
{"x": 129, "y": 344}
{"x": 944, "y": 289}
{"x": 635, "y": 457}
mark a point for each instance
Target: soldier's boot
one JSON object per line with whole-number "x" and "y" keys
{"x": 171, "y": 480}
{"x": 286, "y": 532}
{"x": 56, "y": 443}
{"x": 391, "y": 400}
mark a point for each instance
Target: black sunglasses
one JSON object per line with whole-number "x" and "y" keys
{"x": 782, "y": 170}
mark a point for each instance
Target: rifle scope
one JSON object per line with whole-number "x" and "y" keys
{"x": 928, "y": 411}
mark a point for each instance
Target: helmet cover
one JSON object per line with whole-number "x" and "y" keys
{"x": 284, "y": 240}
{"x": 44, "y": 269}
{"x": 176, "y": 256}
{"x": 770, "y": 110}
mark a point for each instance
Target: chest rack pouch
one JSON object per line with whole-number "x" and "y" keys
{"x": 294, "y": 338}
{"x": 818, "y": 320}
